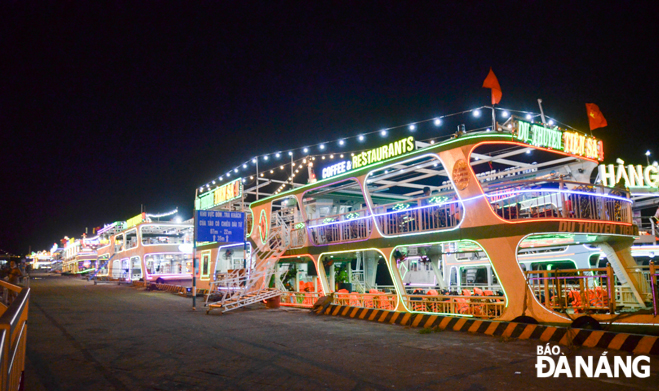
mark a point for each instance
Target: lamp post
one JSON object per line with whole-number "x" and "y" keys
{"x": 647, "y": 156}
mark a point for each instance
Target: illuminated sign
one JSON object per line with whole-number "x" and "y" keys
{"x": 384, "y": 152}
{"x": 336, "y": 169}
{"x": 633, "y": 176}
{"x": 225, "y": 193}
{"x": 569, "y": 142}
{"x": 133, "y": 221}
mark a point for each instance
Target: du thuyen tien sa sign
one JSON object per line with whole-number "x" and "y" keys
{"x": 569, "y": 142}
{"x": 220, "y": 226}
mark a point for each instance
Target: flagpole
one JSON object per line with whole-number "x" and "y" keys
{"x": 494, "y": 120}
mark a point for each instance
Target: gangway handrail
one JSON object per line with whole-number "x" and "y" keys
{"x": 13, "y": 339}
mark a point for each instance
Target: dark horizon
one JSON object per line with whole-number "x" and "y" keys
{"x": 107, "y": 108}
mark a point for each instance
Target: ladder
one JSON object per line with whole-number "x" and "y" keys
{"x": 251, "y": 285}
{"x": 92, "y": 275}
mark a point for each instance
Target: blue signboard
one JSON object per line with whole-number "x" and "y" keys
{"x": 220, "y": 226}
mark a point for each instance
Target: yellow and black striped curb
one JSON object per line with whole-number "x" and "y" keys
{"x": 634, "y": 343}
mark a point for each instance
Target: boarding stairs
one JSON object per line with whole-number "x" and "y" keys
{"x": 251, "y": 285}
{"x": 93, "y": 275}
{"x": 56, "y": 268}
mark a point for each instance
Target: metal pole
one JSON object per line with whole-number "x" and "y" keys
{"x": 257, "y": 178}
{"x": 542, "y": 113}
{"x": 194, "y": 252}
{"x": 494, "y": 120}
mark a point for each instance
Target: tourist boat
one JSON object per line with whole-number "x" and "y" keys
{"x": 479, "y": 225}
{"x": 78, "y": 256}
{"x": 140, "y": 249}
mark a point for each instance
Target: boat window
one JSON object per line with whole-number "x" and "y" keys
{"x": 232, "y": 257}
{"x": 154, "y": 234}
{"x": 337, "y": 213}
{"x": 131, "y": 239}
{"x": 413, "y": 196}
{"x": 168, "y": 263}
{"x": 119, "y": 243}
{"x": 135, "y": 268}
{"x": 356, "y": 271}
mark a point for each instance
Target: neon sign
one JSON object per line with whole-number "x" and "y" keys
{"x": 384, "y": 152}
{"x": 633, "y": 176}
{"x": 336, "y": 169}
{"x": 569, "y": 142}
{"x": 223, "y": 194}
{"x": 133, "y": 221}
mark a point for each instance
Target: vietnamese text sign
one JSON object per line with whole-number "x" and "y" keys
{"x": 220, "y": 226}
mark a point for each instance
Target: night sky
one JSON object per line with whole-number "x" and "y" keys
{"x": 104, "y": 108}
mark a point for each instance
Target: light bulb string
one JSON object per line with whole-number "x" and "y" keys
{"x": 288, "y": 152}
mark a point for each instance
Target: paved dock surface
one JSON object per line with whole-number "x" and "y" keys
{"x": 110, "y": 337}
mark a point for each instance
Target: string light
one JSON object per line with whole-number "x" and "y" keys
{"x": 437, "y": 121}
{"x": 251, "y": 177}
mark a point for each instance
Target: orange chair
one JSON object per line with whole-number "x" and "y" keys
{"x": 354, "y": 299}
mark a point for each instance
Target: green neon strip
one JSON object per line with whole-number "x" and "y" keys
{"x": 85, "y": 271}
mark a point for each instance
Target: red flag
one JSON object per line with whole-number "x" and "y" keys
{"x": 595, "y": 117}
{"x": 492, "y": 83}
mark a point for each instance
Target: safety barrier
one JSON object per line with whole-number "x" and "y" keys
{"x": 13, "y": 338}
{"x": 300, "y": 299}
{"x": 575, "y": 291}
{"x": 519, "y": 200}
{"x": 423, "y": 214}
{"x": 478, "y": 306}
{"x": 634, "y": 343}
{"x": 346, "y": 227}
{"x": 382, "y": 300}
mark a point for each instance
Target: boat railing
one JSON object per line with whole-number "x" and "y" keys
{"x": 300, "y": 299}
{"x": 518, "y": 200}
{"x": 422, "y": 214}
{"x": 379, "y": 300}
{"x": 489, "y": 306}
{"x": 340, "y": 228}
{"x": 13, "y": 337}
{"x": 575, "y": 290}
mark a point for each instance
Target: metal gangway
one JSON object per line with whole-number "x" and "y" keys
{"x": 251, "y": 285}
